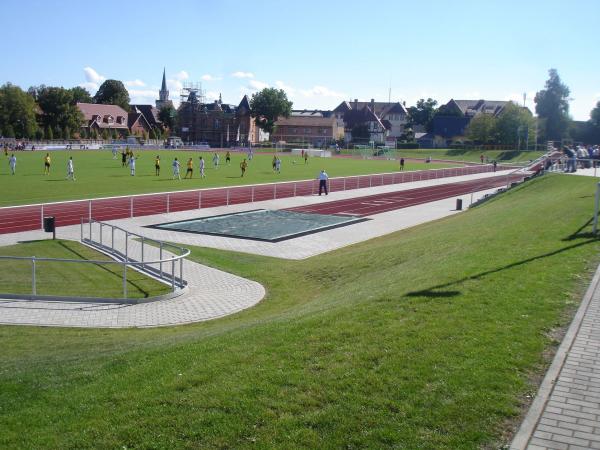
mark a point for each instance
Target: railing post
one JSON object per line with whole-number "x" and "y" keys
{"x": 127, "y": 246}
{"x": 124, "y": 280}
{"x": 142, "y": 252}
{"x": 81, "y": 228}
{"x": 274, "y": 191}
{"x": 199, "y": 199}
{"x": 173, "y": 273}
{"x": 252, "y": 195}
{"x": 112, "y": 238}
{"x": 344, "y": 183}
{"x": 168, "y": 201}
{"x": 160, "y": 257}
{"x": 42, "y": 214}
{"x": 227, "y": 196}
{"x": 33, "y": 281}
{"x": 90, "y": 212}
{"x": 382, "y": 179}
{"x": 370, "y": 180}
{"x": 101, "y": 233}
{"x": 131, "y": 206}
{"x": 296, "y": 183}
{"x": 181, "y": 272}
{"x": 90, "y": 221}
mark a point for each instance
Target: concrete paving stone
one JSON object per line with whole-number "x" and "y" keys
{"x": 549, "y": 444}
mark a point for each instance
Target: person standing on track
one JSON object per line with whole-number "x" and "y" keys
{"x": 70, "y": 169}
{"x": 243, "y": 166}
{"x": 12, "y": 163}
{"x": 481, "y": 158}
{"x": 323, "y": 177}
{"x": 47, "y": 164}
{"x": 157, "y": 166}
{"x": 401, "y": 164}
{"x": 190, "y": 169}
{"x": 494, "y": 163}
{"x": 176, "y": 166}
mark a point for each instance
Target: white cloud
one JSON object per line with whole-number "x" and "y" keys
{"x": 255, "y": 85}
{"x": 135, "y": 83}
{"x": 211, "y": 96}
{"x": 288, "y": 89}
{"x": 143, "y": 96}
{"x": 321, "y": 91}
{"x": 208, "y": 77}
{"x": 182, "y": 75}
{"x": 240, "y": 74}
{"x": 93, "y": 79}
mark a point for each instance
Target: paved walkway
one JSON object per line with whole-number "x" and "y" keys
{"x": 565, "y": 415}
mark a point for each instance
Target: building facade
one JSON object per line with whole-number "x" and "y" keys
{"x": 98, "y": 117}
{"x": 312, "y": 128}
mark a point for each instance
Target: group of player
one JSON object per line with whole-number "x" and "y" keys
{"x": 176, "y": 165}
{"x": 12, "y": 164}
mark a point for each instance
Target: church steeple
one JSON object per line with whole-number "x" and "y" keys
{"x": 163, "y": 94}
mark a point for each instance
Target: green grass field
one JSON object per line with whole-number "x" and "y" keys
{"x": 427, "y": 338}
{"x": 71, "y": 279}
{"x": 98, "y": 175}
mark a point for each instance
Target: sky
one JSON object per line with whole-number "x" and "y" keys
{"x": 319, "y": 52}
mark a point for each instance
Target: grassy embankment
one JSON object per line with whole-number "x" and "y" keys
{"x": 426, "y": 338}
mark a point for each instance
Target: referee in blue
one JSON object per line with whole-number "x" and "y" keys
{"x": 323, "y": 177}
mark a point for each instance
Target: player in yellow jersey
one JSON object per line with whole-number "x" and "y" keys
{"x": 47, "y": 164}
{"x": 157, "y": 166}
{"x": 190, "y": 169}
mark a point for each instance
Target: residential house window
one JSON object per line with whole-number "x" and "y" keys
{"x": 292, "y": 130}
{"x": 307, "y": 131}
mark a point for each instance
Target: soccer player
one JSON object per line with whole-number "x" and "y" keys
{"x": 305, "y": 157}
{"x": 70, "y": 169}
{"x": 123, "y": 158}
{"x": 201, "y": 165}
{"x": 216, "y": 160}
{"x": 278, "y": 165}
{"x": 227, "y": 158}
{"x": 114, "y": 152}
{"x": 243, "y": 166}
{"x": 274, "y": 162}
{"x": 190, "y": 169}
{"x": 47, "y": 164}
{"x": 176, "y": 166}
{"x": 157, "y": 166}
{"x": 12, "y": 162}
{"x": 401, "y": 164}
{"x": 132, "y": 159}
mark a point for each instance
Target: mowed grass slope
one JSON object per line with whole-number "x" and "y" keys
{"x": 425, "y": 338}
{"x": 70, "y": 279}
{"x": 99, "y": 175}
{"x": 504, "y": 156}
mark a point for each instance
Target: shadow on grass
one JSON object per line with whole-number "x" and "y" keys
{"x": 437, "y": 292}
{"x": 579, "y": 234}
{"x": 105, "y": 267}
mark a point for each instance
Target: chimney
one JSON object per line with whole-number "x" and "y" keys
{"x": 355, "y": 103}
{"x": 373, "y": 104}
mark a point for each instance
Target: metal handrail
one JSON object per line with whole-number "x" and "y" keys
{"x": 168, "y": 277}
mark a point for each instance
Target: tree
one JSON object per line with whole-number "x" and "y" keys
{"x": 59, "y": 110}
{"x": 552, "y": 107}
{"x": 113, "y": 92}
{"x": 168, "y": 116}
{"x": 80, "y": 95}
{"x": 422, "y": 113}
{"x": 515, "y": 125}
{"x": 482, "y": 129}
{"x": 17, "y": 112}
{"x": 267, "y": 105}
{"x": 595, "y": 116}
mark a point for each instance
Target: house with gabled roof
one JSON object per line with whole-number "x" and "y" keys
{"x": 392, "y": 116}
{"x": 100, "y": 117}
{"x": 452, "y": 119}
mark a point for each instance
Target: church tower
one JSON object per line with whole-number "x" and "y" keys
{"x": 163, "y": 94}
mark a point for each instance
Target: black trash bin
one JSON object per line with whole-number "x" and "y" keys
{"x": 49, "y": 222}
{"x": 49, "y": 225}
{"x": 459, "y": 204}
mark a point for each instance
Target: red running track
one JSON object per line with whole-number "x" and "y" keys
{"x": 25, "y": 218}
{"x": 380, "y": 203}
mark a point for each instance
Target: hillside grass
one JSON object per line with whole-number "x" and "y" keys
{"x": 504, "y": 156}
{"x": 70, "y": 279}
{"x": 99, "y": 175}
{"x": 426, "y": 338}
